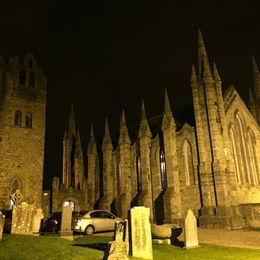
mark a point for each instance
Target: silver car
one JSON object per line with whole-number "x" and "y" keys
{"x": 95, "y": 221}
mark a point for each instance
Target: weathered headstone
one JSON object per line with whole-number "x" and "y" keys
{"x": 22, "y": 218}
{"x": 66, "y": 219}
{"x": 118, "y": 249}
{"x": 2, "y": 222}
{"x": 141, "y": 236}
{"x": 190, "y": 231}
{"x": 36, "y": 220}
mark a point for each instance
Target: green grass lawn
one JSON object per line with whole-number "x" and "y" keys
{"x": 91, "y": 247}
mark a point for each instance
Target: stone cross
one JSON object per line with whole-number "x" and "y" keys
{"x": 17, "y": 197}
{"x": 66, "y": 219}
{"x": 190, "y": 231}
{"x": 141, "y": 235}
{"x": 2, "y": 222}
{"x": 22, "y": 218}
{"x": 118, "y": 249}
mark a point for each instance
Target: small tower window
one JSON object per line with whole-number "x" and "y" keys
{"x": 22, "y": 77}
{"x": 28, "y": 120}
{"x": 32, "y": 80}
{"x": 17, "y": 118}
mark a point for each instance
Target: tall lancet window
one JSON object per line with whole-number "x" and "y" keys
{"x": 138, "y": 170}
{"x": 17, "y": 118}
{"x": 252, "y": 154}
{"x": 163, "y": 169}
{"x": 188, "y": 164}
{"x": 28, "y": 120}
{"x": 240, "y": 130}
{"x": 235, "y": 154}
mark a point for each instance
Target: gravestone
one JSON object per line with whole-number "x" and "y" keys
{"x": 2, "y": 222}
{"x": 22, "y": 218}
{"x": 36, "y": 220}
{"x": 66, "y": 219}
{"x": 141, "y": 235}
{"x": 118, "y": 249}
{"x": 190, "y": 231}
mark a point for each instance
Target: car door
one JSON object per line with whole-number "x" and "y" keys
{"x": 109, "y": 219}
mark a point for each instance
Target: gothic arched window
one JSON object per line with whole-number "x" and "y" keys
{"x": 163, "y": 170}
{"x": 235, "y": 154}
{"x": 242, "y": 151}
{"x": 17, "y": 118}
{"x": 252, "y": 156}
{"x": 188, "y": 163}
{"x": 28, "y": 120}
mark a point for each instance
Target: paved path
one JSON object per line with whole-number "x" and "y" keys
{"x": 234, "y": 238}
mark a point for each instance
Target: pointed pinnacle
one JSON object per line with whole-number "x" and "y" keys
{"x": 124, "y": 135}
{"x": 106, "y": 128}
{"x": 92, "y": 149}
{"x": 143, "y": 115}
{"x": 204, "y": 68}
{"x": 65, "y": 135}
{"x": 167, "y": 106}
{"x": 91, "y": 131}
{"x": 193, "y": 74}
{"x": 78, "y": 137}
{"x": 123, "y": 120}
{"x": 107, "y": 139}
{"x": 255, "y": 68}
{"x": 215, "y": 73}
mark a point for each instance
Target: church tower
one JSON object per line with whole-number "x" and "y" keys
{"x": 22, "y": 129}
{"x": 73, "y": 188}
{"x": 215, "y": 168}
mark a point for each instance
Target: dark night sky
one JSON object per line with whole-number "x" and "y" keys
{"x": 106, "y": 56}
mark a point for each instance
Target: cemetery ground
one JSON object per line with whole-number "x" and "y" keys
{"x": 92, "y": 247}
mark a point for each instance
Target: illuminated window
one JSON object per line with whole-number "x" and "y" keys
{"x": 163, "y": 170}
{"x": 28, "y": 120}
{"x": 69, "y": 203}
{"x": 17, "y": 118}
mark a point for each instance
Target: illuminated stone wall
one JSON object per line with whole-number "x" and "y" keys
{"x": 22, "y": 129}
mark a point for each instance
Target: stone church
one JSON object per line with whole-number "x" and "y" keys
{"x": 22, "y": 129}
{"x": 211, "y": 167}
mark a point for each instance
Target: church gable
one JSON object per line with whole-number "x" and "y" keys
{"x": 233, "y": 103}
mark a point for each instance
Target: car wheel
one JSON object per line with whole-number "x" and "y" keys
{"x": 89, "y": 230}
